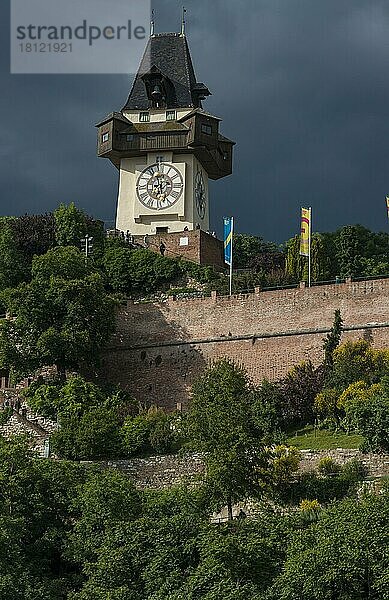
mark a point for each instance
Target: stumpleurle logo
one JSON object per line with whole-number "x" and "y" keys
{"x": 88, "y": 36}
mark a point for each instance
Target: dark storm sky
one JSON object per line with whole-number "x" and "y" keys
{"x": 301, "y": 85}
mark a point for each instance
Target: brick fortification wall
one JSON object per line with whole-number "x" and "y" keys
{"x": 197, "y": 246}
{"x": 160, "y": 348}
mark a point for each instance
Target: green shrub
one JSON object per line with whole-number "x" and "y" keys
{"x": 94, "y": 436}
{"x": 5, "y": 415}
{"x": 75, "y": 397}
{"x": 367, "y": 410}
{"x": 327, "y": 466}
{"x": 331, "y": 483}
{"x": 138, "y": 271}
{"x": 154, "y": 432}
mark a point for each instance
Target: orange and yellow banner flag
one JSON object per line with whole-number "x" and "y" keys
{"x": 305, "y": 231}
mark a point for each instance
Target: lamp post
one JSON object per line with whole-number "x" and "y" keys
{"x": 87, "y": 245}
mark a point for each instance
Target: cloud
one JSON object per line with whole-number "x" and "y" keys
{"x": 301, "y": 86}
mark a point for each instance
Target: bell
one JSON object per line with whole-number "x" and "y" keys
{"x": 156, "y": 94}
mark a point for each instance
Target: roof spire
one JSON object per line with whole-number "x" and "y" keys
{"x": 183, "y": 25}
{"x": 152, "y": 23}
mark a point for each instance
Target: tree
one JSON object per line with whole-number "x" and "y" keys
{"x": 327, "y": 406}
{"x": 297, "y": 266}
{"x": 73, "y": 398}
{"x": 13, "y": 267}
{"x": 35, "y": 519}
{"x": 62, "y": 323}
{"x": 141, "y": 271}
{"x": 299, "y": 389}
{"x": 65, "y": 262}
{"x": 153, "y": 432}
{"x": 220, "y": 424}
{"x": 350, "y": 250}
{"x": 331, "y": 342}
{"x": 107, "y": 500}
{"x": 72, "y": 224}
{"x": 34, "y": 235}
{"x": 246, "y": 249}
{"x": 367, "y": 411}
{"x": 268, "y": 411}
{"x": 342, "y": 555}
{"x": 357, "y": 361}
{"x": 265, "y": 260}
{"x": 95, "y": 435}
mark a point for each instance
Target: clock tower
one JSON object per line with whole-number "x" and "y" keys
{"x": 164, "y": 144}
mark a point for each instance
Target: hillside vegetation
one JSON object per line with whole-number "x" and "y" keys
{"x": 77, "y": 532}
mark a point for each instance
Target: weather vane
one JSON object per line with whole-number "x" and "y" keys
{"x": 152, "y": 23}
{"x": 183, "y": 26}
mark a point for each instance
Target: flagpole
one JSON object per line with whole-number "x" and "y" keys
{"x": 309, "y": 247}
{"x": 232, "y": 237}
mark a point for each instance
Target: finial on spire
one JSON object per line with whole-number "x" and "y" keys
{"x": 183, "y": 26}
{"x": 152, "y": 23}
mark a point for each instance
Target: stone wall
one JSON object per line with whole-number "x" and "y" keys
{"x": 162, "y": 472}
{"x": 197, "y": 246}
{"x": 160, "y": 348}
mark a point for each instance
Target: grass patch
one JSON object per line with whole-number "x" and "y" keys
{"x": 321, "y": 439}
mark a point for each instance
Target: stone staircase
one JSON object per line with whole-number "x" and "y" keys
{"x": 37, "y": 428}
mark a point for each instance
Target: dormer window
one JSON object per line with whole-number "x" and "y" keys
{"x": 144, "y": 117}
{"x": 171, "y": 115}
{"x": 207, "y": 129}
{"x": 105, "y": 137}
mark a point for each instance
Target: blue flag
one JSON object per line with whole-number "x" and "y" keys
{"x": 228, "y": 231}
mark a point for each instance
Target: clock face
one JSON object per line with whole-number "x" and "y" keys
{"x": 159, "y": 186}
{"x": 200, "y": 194}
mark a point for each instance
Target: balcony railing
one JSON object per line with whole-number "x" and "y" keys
{"x": 152, "y": 141}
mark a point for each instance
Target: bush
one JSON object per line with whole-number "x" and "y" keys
{"x": 5, "y": 415}
{"x": 268, "y": 413}
{"x": 75, "y": 397}
{"x": 357, "y": 361}
{"x": 94, "y": 436}
{"x": 367, "y": 410}
{"x": 285, "y": 463}
{"x": 299, "y": 389}
{"x": 138, "y": 271}
{"x": 154, "y": 432}
{"x": 327, "y": 466}
{"x": 332, "y": 482}
{"x": 326, "y": 406}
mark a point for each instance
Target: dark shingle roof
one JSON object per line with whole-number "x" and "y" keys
{"x": 199, "y": 111}
{"x": 112, "y": 115}
{"x": 168, "y": 53}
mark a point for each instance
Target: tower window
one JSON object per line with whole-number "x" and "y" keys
{"x": 105, "y": 137}
{"x": 207, "y": 129}
{"x": 171, "y": 115}
{"x": 144, "y": 117}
